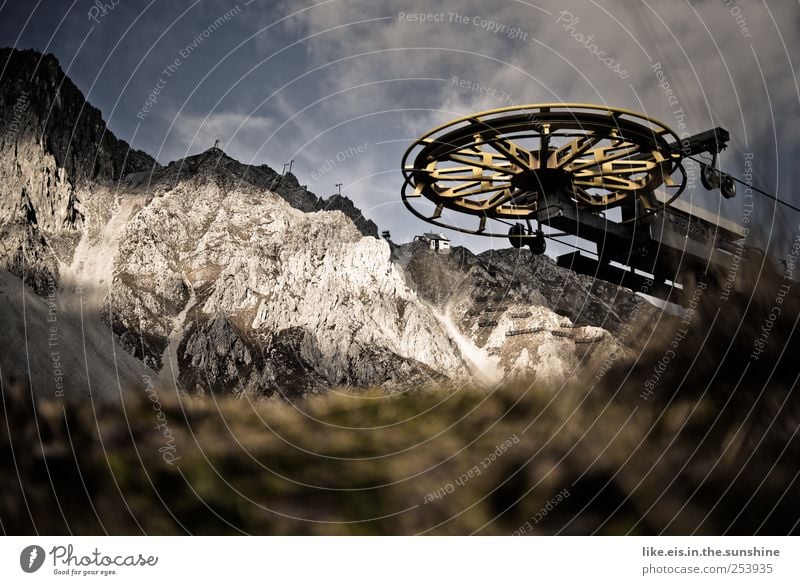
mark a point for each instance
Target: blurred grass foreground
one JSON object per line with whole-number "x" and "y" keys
{"x": 691, "y": 431}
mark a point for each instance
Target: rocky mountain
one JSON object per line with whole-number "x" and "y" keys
{"x": 240, "y": 291}
{"x": 54, "y": 149}
{"x": 208, "y": 275}
{"x": 519, "y": 315}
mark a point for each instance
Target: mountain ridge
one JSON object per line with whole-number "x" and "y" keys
{"x": 217, "y": 276}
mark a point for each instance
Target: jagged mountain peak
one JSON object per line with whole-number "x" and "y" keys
{"x": 345, "y": 205}
{"x": 41, "y": 106}
{"x": 215, "y": 166}
{"x": 40, "y": 103}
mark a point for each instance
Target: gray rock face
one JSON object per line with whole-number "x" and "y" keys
{"x": 518, "y": 315}
{"x": 59, "y": 351}
{"x": 38, "y": 101}
{"x": 341, "y": 203}
{"x": 54, "y": 147}
{"x": 275, "y": 293}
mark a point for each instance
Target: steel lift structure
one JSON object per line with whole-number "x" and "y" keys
{"x": 608, "y": 176}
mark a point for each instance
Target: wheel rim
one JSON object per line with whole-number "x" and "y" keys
{"x": 492, "y": 165}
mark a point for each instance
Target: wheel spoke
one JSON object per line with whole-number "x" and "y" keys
{"x": 603, "y": 154}
{"x": 483, "y": 165}
{"x": 498, "y": 199}
{"x": 600, "y": 199}
{"x": 627, "y": 167}
{"x": 608, "y": 182}
{"x": 515, "y": 153}
{"x": 572, "y": 150}
{"x": 544, "y": 146}
{"x": 438, "y": 171}
{"x": 453, "y": 193}
{"x": 483, "y": 178}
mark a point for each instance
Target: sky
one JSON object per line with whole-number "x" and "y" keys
{"x": 343, "y": 87}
